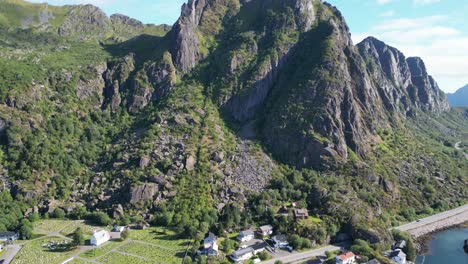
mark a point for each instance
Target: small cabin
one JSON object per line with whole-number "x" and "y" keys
{"x": 100, "y": 238}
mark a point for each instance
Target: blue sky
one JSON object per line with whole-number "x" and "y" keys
{"x": 435, "y": 30}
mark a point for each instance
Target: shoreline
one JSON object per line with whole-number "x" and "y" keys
{"x": 422, "y": 242}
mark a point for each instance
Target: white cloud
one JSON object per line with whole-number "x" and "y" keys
{"x": 388, "y": 14}
{"x": 425, "y": 2}
{"x": 444, "y": 49}
{"x": 383, "y": 2}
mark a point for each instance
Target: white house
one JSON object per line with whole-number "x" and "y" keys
{"x": 398, "y": 256}
{"x": 210, "y": 247}
{"x": 118, "y": 229}
{"x": 265, "y": 230}
{"x": 246, "y": 235}
{"x": 242, "y": 254}
{"x": 100, "y": 238}
{"x": 210, "y": 241}
{"x": 346, "y": 258}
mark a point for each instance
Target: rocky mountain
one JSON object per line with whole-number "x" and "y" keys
{"x": 242, "y": 106}
{"x": 459, "y": 98}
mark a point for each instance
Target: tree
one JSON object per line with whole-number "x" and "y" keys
{"x": 410, "y": 249}
{"x": 80, "y": 213}
{"x": 263, "y": 255}
{"x": 34, "y": 217}
{"x": 26, "y": 230}
{"x": 59, "y": 213}
{"x": 78, "y": 238}
{"x": 295, "y": 241}
{"x": 125, "y": 235}
{"x": 99, "y": 218}
{"x": 228, "y": 245}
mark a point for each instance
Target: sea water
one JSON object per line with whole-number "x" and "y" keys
{"x": 446, "y": 248}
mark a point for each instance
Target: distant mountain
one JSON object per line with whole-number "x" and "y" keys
{"x": 460, "y": 97}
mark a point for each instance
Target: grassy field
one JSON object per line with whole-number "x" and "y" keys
{"x": 160, "y": 237}
{"x": 33, "y": 252}
{"x": 99, "y": 251}
{"x": 153, "y": 245}
{"x": 50, "y": 226}
{"x": 118, "y": 258}
{"x": 79, "y": 261}
{"x": 73, "y": 225}
{"x": 163, "y": 255}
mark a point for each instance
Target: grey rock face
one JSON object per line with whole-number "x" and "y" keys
{"x": 122, "y": 20}
{"x": 116, "y": 78}
{"x": 426, "y": 93}
{"x": 83, "y": 19}
{"x": 92, "y": 87}
{"x": 152, "y": 83}
{"x": 185, "y": 52}
{"x": 143, "y": 193}
{"x": 401, "y": 82}
{"x": 305, "y": 14}
{"x": 244, "y": 106}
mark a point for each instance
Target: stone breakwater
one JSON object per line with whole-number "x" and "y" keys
{"x": 439, "y": 225}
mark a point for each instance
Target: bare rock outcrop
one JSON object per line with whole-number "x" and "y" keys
{"x": 143, "y": 193}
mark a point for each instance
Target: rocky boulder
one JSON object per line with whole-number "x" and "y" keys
{"x": 143, "y": 193}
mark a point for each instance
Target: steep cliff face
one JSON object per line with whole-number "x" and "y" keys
{"x": 316, "y": 97}
{"x": 405, "y": 82}
{"x": 319, "y": 109}
{"x": 200, "y": 21}
{"x": 427, "y": 94}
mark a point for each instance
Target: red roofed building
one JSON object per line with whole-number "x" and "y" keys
{"x": 346, "y": 258}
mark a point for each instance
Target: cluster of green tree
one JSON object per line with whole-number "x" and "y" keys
{"x": 11, "y": 211}
{"x": 410, "y": 248}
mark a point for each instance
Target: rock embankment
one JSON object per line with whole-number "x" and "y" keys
{"x": 439, "y": 225}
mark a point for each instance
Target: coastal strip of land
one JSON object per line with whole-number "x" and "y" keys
{"x": 436, "y": 222}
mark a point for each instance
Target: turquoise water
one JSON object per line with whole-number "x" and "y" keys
{"x": 446, "y": 248}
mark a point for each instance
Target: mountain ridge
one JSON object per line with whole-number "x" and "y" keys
{"x": 459, "y": 98}
{"x": 240, "y": 106}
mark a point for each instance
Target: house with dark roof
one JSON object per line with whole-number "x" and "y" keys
{"x": 283, "y": 211}
{"x": 5, "y": 236}
{"x": 301, "y": 213}
{"x": 259, "y": 247}
{"x": 399, "y": 245}
{"x": 398, "y": 256}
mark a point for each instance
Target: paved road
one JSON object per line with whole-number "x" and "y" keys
{"x": 434, "y": 218}
{"x": 12, "y": 250}
{"x": 298, "y": 257}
